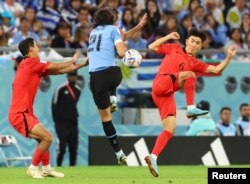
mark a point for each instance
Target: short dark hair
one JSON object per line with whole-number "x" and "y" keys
{"x": 195, "y": 32}
{"x": 105, "y": 16}
{"x": 225, "y": 108}
{"x": 243, "y": 105}
{"x": 24, "y": 46}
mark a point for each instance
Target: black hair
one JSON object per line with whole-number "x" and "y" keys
{"x": 24, "y": 46}
{"x": 104, "y": 16}
{"x": 225, "y": 108}
{"x": 195, "y": 32}
{"x": 243, "y": 105}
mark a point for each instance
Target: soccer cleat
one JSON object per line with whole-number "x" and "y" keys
{"x": 152, "y": 165}
{"x": 195, "y": 112}
{"x": 122, "y": 160}
{"x": 52, "y": 173}
{"x": 34, "y": 173}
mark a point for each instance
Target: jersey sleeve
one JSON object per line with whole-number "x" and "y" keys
{"x": 116, "y": 36}
{"x": 167, "y": 48}
{"x": 40, "y": 66}
{"x": 200, "y": 66}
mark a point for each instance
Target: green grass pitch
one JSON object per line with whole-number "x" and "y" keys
{"x": 110, "y": 175}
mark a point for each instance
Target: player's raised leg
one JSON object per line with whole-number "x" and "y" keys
{"x": 188, "y": 80}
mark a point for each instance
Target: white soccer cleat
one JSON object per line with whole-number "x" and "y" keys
{"x": 34, "y": 173}
{"x": 51, "y": 172}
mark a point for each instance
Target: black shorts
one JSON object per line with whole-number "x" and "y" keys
{"x": 103, "y": 84}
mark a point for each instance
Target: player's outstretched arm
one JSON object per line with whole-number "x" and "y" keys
{"x": 153, "y": 46}
{"x": 138, "y": 27}
{"x": 73, "y": 67}
{"x": 220, "y": 67}
{"x": 55, "y": 67}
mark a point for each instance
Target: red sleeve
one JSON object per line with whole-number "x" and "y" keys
{"x": 40, "y": 66}
{"x": 167, "y": 48}
{"x": 199, "y": 66}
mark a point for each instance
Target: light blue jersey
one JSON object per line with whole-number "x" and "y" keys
{"x": 226, "y": 130}
{"x": 101, "y": 49}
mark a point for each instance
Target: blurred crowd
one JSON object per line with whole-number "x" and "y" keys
{"x": 67, "y": 23}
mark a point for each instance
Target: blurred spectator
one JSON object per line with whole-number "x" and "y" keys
{"x": 203, "y": 125}
{"x": 243, "y": 123}
{"x": 8, "y": 27}
{"x": 3, "y": 37}
{"x": 247, "y": 39}
{"x": 235, "y": 38}
{"x": 66, "y": 124}
{"x": 83, "y": 19}
{"x": 44, "y": 36}
{"x": 224, "y": 126}
{"x": 212, "y": 8}
{"x": 218, "y": 31}
{"x": 70, "y": 12}
{"x": 30, "y": 13}
{"x": 63, "y": 37}
{"x": 49, "y": 15}
{"x": 24, "y": 32}
{"x": 198, "y": 18}
{"x": 127, "y": 20}
{"x": 81, "y": 38}
{"x": 15, "y": 8}
{"x": 245, "y": 25}
{"x": 169, "y": 26}
{"x": 193, "y": 4}
{"x": 185, "y": 24}
{"x": 154, "y": 16}
{"x": 235, "y": 13}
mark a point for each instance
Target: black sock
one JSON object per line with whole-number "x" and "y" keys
{"x": 111, "y": 135}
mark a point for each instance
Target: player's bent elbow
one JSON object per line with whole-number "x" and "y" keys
{"x": 150, "y": 47}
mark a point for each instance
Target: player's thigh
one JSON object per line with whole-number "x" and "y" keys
{"x": 40, "y": 132}
{"x": 164, "y": 84}
{"x": 166, "y": 105}
{"x": 182, "y": 76}
{"x": 114, "y": 77}
{"x": 103, "y": 83}
{"x": 23, "y": 122}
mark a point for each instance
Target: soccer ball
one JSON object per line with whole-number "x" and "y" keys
{"x": 132, "y": 58}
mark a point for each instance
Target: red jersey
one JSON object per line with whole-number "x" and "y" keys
{"x": 176, "y": 60}
{"x": 26, "y": 84}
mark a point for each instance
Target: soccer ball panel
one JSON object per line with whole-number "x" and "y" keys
{"x": 132, "y": 58}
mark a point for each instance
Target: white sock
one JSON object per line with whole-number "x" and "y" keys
{"x": 119, "y": 153}
{"x": 190, "y": 107}
{"x": 154, "y": 156}
{"x": 46, "y": 166}
{"x": 33, "y": 166}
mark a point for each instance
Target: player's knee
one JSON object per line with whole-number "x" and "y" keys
{"x": 190, "y": 74}
{"x": 49, "y": 138}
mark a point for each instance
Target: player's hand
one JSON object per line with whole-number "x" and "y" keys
{"x": 174, "y": 36}
{"x": 122, "y": 32}
{"x": 231, "y": 51}
{"x": 75, "y": 57}
{"x": 142, "y": 21}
